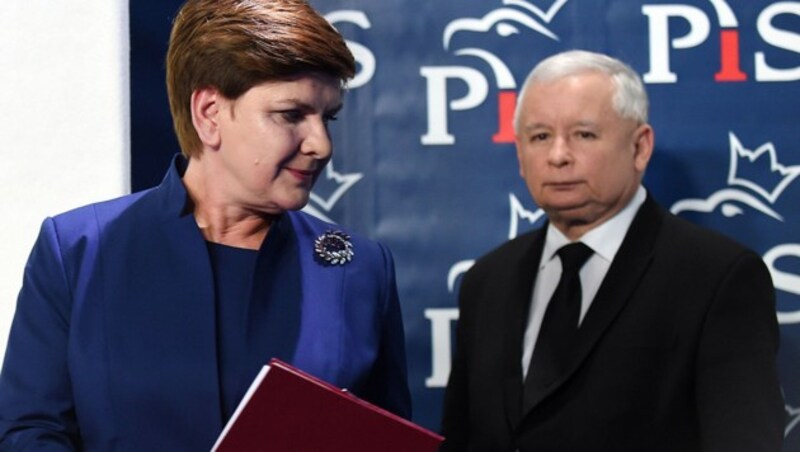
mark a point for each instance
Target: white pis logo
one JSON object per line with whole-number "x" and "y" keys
{"x": 662, "y": 43}
{"x": 507, "y": 20}
{"x": 362, "y": 54}
{"x": 517, "y": 15}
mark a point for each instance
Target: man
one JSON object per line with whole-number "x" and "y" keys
{"x": 671, "y": 340}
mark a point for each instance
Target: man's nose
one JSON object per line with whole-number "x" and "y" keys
{"x": 559, "y": 153}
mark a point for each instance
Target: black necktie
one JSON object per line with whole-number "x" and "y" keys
{"x": 559, "y": 326}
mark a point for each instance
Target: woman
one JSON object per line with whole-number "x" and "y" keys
{"x": 142, "y": 320}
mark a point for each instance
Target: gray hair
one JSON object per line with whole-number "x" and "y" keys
{"x": 630, "y": 98}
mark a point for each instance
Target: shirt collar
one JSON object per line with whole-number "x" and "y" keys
{"x": 604, "y": 239}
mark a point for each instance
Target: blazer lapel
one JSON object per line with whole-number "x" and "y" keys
{"x": 524, "y": 268}
{"x": 192, "y": 295}
{"x": 323, "y": 289}
{"x": 623, "y": 276}
{"x": 161, "y": 312}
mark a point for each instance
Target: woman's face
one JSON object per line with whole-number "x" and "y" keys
{"x": 274, "y": 142}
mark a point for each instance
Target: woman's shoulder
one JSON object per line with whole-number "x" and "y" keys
{"x": 109, "y": 208}
{"x": 168, "y": 199}
{"x": 93, "y": 220}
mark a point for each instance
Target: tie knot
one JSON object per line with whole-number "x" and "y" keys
{"x": 573, "y": 256}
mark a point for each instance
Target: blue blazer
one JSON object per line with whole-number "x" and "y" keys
{"x": 113, "y": 343}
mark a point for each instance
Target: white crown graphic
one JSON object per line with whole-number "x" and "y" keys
{"x": 792, "y": 419}
{"x": 328, "y": 191}
{"x": 774, "y": 177}
{"x": 519, "y": 212}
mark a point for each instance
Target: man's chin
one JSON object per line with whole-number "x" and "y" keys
{"x": 569, "y": 213}
{"x": 565, "y": 207}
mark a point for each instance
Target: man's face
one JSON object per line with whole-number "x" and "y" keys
{"x": 581, "y": 161}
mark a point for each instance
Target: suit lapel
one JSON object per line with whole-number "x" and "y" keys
{"x": 520, "y": 290}
{"x": 623, "y": 276}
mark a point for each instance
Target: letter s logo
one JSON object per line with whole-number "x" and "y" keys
{"x": 364, "y": 57}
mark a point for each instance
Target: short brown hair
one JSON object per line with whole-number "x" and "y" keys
{"x": 234, "y": 45}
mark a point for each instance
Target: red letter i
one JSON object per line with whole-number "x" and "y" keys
{"x": 729, "y": 58}
{"x": 506, "y": 102}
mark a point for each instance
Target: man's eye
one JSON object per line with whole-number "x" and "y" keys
{"x": 539, "y": 137}
{"x": 586, "y": 135}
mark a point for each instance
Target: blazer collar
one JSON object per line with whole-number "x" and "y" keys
{"x": 184, "y": 255}
{"x": 623, "y": 276}
{"x": 172, "y": 199}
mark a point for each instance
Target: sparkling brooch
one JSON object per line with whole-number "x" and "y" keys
{"x": 334, "y": 247}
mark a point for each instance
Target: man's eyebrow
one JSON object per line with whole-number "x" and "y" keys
{"x": 540, "y": 125}
{"x": 533, "y": 126}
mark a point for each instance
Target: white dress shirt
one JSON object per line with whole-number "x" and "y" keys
{"x": 604, "y": 240}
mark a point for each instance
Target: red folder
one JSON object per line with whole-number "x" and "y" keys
{"x": 286, "y": 409}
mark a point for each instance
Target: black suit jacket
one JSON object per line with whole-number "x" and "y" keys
{"x": 676, "y": 353}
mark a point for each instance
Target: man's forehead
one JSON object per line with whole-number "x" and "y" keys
{"x": 535, "y": 124}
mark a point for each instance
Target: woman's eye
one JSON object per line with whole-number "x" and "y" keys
{"x": 329, "y": 118}
{"x": 292, "y": 116}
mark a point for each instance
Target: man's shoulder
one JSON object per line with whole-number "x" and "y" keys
{"x": 682, "y": 235}
{"x": 672, "y": 235}
{"x": 509, "y": 252}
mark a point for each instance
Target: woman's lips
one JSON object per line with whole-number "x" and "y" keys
{"x": 302, "y": 174}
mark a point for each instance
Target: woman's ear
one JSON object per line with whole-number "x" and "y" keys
{"x": 206, "y": 107}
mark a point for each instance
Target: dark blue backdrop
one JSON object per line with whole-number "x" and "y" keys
{"x": 424, "y": 160}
